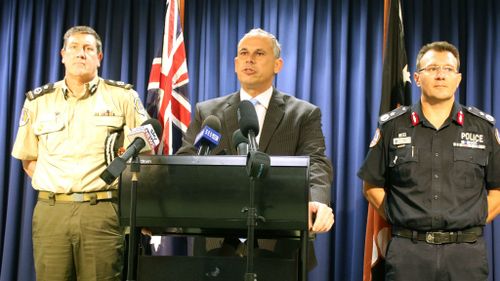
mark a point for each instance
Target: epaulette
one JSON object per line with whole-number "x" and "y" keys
{"x": 40, "y": 91}
{"x": 480, "y": 114}
{"x": 118, "y": 84}
{"x": 392, "y": 114}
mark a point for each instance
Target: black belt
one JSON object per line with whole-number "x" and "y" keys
{"x": 468, "y": 235}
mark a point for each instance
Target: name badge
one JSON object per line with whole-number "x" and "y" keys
{"x": 400, "y": 141}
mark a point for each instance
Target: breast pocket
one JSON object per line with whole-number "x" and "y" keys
{"x": 468, "y": 166}
{"x": 50, "y": 132}
{"x": 103, "y": 126}
{"x": 403, "y": 163}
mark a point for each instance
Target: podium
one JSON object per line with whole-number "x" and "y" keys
{"x": 204, "y": 196}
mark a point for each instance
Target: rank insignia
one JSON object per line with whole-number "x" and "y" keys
{"x": 118, "y": 84}
{"x": 460, "y": 118}
{"x": 376, "y": 138}
{"x": 414, "y": 118}
{"x": 392, "y": 114}
{"x": 40, "y": 91}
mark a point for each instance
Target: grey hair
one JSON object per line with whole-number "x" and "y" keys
{"x": 260, "y": 32}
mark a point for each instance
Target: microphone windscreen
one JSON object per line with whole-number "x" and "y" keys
{"x": 247, "y": 118}
{"x": 213, "y": 122}
{"x": 238, "y": 138}
{"x": 156, "y": 126}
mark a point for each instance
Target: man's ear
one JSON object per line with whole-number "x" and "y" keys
{"x": 278, "y": 64}
{"x": 99, "y": 57}
{"x": 63, "y": 52}
{"x": 416, "y": 77}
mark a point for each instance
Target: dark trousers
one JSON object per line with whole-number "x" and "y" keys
{"x": 419, "y": 261}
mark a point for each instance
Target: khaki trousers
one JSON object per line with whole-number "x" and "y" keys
{"x": 77, "y": 241}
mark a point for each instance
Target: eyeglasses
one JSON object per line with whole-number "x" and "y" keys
{"x": 446, "y": 69}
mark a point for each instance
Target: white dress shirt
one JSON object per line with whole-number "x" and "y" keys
{"x": 260, "y": 106}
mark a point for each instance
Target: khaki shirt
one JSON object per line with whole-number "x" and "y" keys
{"x": 66, "y": 136}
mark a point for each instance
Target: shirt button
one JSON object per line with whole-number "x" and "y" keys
{"x": 436, "y": 154}
{"x": 436, "y": 197}
{"x": 436, "y": 176}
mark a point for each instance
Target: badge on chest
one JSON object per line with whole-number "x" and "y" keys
{"x": 471, "y": 140}
{"x": 401, "y": 140}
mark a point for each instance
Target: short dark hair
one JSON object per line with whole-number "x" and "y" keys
{"x": 438, "y": 46}
{"x": 85, "y": 30}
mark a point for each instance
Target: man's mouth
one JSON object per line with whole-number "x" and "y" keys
{"x": 249, "y": 71}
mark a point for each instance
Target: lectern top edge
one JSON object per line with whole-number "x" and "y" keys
{"x": 226, "y": 160}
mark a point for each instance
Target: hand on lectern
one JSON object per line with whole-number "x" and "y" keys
{"x": 146, "y": 231}
{"x": 321, "y": 217}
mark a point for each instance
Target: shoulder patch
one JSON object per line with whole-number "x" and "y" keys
{"x": 393, "y": 114}
{"x": 480, "y": 114}
{"x": 25, "y": 117}
{"x": 40, "y": 91}
{"x": 376, "y": 138}
{"x": 118, "y": 84}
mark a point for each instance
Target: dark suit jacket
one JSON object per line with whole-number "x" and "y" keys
{"x": 292, "y": 127}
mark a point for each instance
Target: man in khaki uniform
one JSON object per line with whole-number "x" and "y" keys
{"x": 61, "y": 141}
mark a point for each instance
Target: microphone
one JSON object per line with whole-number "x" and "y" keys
{"x": 144, "y": 138}
{"x": 249, "y": 123}
{"x": 147, "y": 133}
{"x": 240, "y": 142}
{"x": 208, "y": 138}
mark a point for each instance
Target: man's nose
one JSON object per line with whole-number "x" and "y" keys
{"x": 440, "y": 74}
{"x": 250, "y": 59}
{"x": 80, "y": 53}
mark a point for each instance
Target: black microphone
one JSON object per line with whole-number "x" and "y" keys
{"x": 145, "y": 138}
{"x": 240, "y": 142}
{"x": 208, "y": 138}
{"x": 249, "y": 123}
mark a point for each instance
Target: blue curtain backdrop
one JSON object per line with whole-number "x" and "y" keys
{"x": 332, "y": 51}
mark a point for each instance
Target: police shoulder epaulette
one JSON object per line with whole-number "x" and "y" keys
{"x": 392, "y": 114}
{"x": 118, "y": 84}
{"x": 480, "y": 114}
{"x": 40, "y": 91}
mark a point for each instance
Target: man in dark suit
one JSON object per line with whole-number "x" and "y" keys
{"x": 289, "y": 126}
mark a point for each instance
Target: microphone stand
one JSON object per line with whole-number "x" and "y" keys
{"x": 257, "y": 166}
{"x": 135, "y": 168}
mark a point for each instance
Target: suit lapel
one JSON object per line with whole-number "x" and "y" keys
{"x": 230, "y": 117}
{"x": 274, "y": 114}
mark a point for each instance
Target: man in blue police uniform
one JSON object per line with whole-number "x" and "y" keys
{"x": 433, "y": 172}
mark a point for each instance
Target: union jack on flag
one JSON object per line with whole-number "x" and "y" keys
{"x": 167, "y": 98}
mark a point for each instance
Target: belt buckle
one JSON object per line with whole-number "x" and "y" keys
{"x": 78, "y": 197}
{"x": 430, "y": 237}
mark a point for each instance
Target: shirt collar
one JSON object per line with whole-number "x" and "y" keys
{"x": 457, "y": 114}
{"x": 264, "y": 98}
{"x": 90, "y": 86}
{"x": 417, "y": 116}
